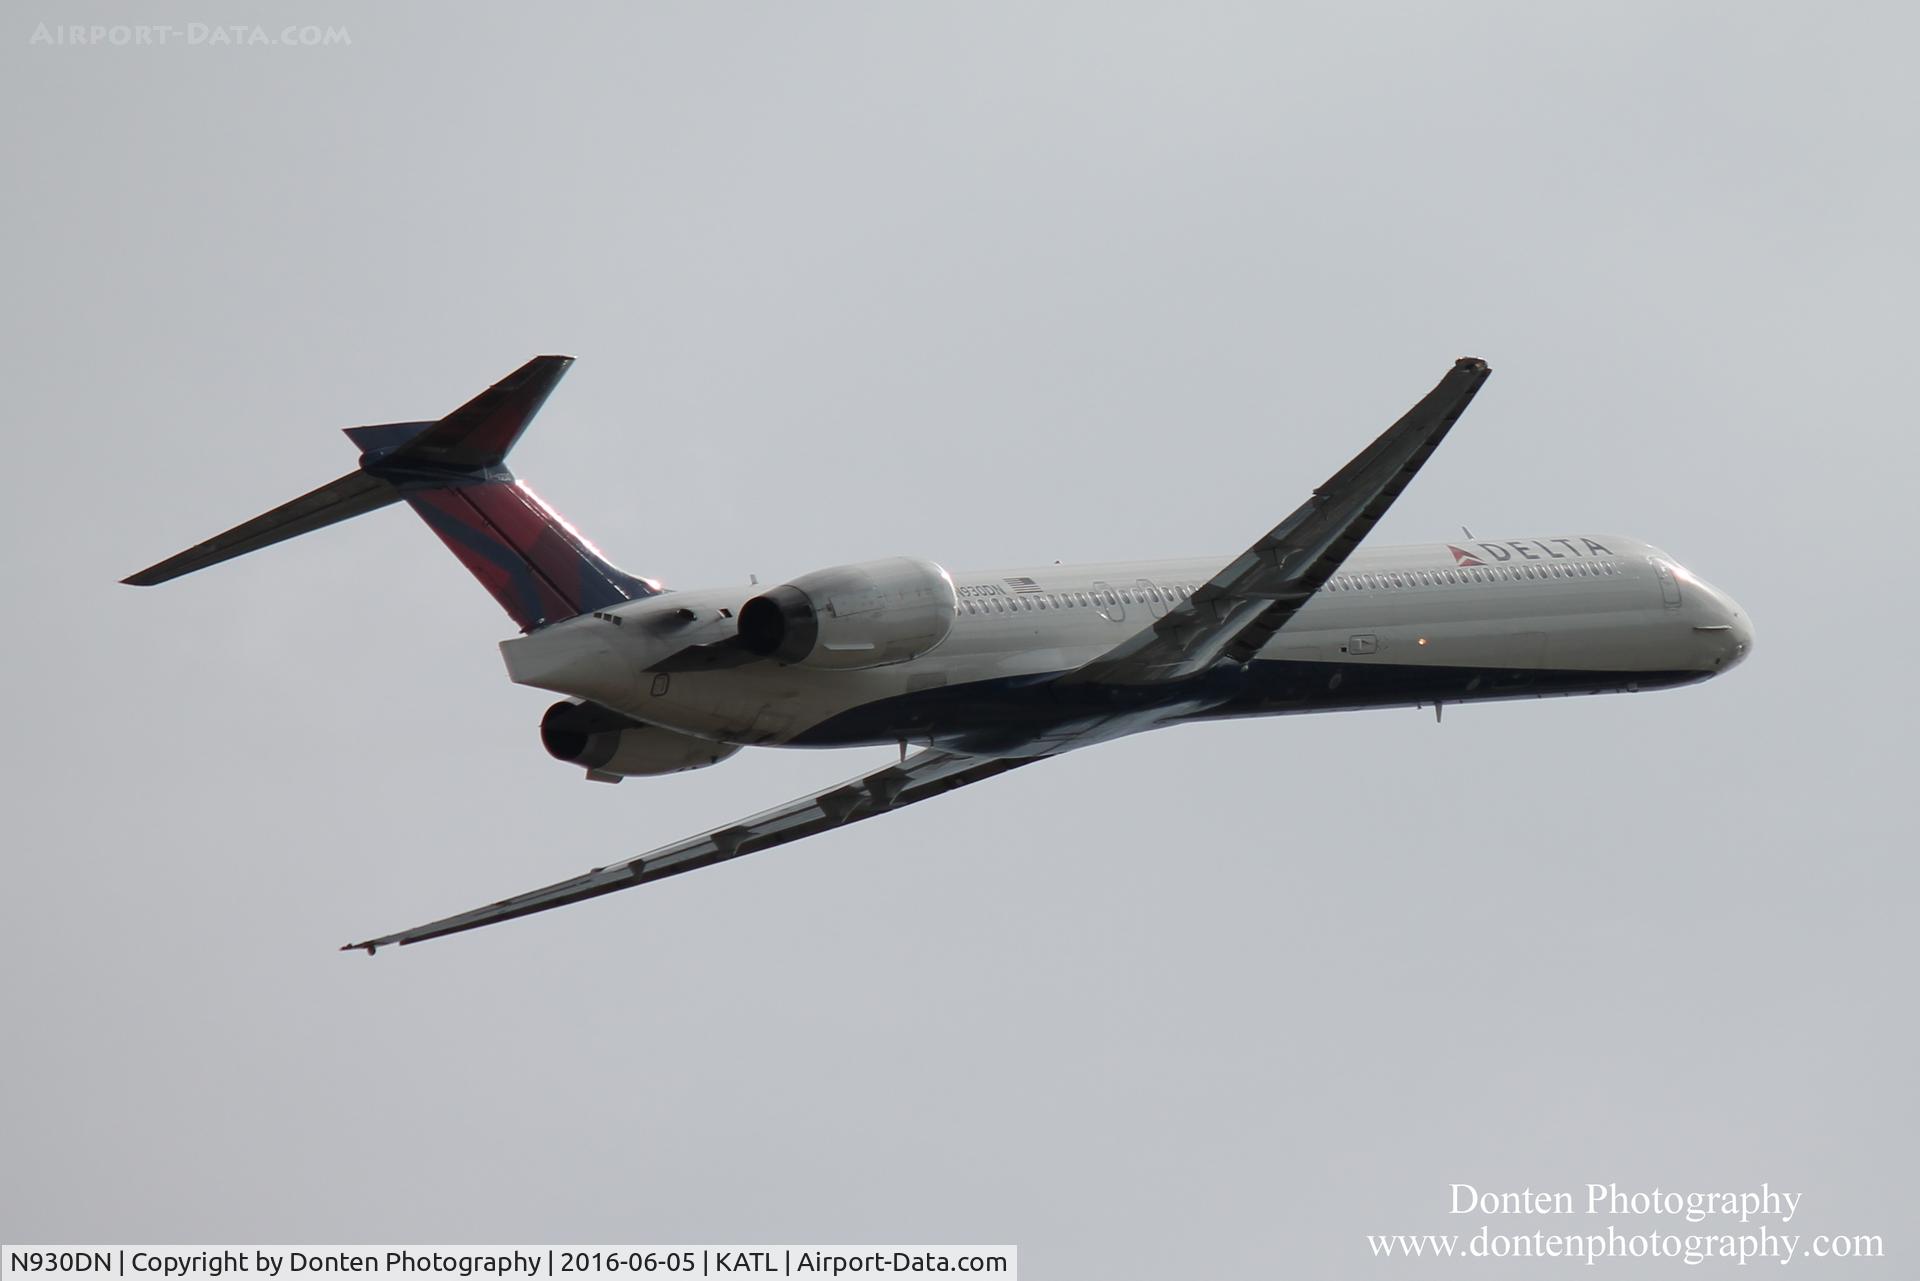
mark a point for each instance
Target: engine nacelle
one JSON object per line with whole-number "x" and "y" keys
{"x": 611, "y": 746}
{"x": 852, "y": 616}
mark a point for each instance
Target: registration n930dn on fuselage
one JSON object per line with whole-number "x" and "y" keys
{"x": 974, "y": 674}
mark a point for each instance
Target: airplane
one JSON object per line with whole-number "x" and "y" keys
{"x": 982, "y": 673}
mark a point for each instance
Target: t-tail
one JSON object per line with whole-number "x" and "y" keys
{"x": 453, "y": 472}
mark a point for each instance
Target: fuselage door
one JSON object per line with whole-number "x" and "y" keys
{"x": 1109, "y": 601}
{"x": 1669, "y": 585}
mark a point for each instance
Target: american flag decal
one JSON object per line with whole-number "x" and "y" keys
{"x": 1022, "y": 586}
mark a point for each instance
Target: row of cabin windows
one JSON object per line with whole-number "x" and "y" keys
{"x": 1377, "y": 581}
{"x": 1477, "y": 574}
{"x": 1093, "y": 599}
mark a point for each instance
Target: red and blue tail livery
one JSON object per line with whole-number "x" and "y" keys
{"x": 453, "y": 473}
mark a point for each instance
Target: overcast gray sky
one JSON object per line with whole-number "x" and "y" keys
{"x": 992, "y": 284}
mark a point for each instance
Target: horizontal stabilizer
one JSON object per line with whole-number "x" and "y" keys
{"x": 352, "y": 495}
{"x": 383, "y": 436}
{"x": 482, "y": 432}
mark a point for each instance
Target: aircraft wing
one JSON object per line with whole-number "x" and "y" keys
{"x": 921, "y": 776}
{"x": 1234, "y": 612}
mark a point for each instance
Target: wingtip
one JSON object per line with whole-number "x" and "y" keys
{"x": 368, "y": 948}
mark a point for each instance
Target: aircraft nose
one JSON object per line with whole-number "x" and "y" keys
{"x": 1728, "y": 629}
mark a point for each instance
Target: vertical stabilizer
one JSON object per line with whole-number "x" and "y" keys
{"x": 453, "y": 473}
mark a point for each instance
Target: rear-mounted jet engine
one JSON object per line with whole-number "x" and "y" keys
{"x": 853, "y": 616}
{"x": 612, "y": 747}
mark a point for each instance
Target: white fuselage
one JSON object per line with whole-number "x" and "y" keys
{"x": 1428, "y": 622}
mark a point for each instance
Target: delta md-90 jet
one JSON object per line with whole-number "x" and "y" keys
{"x": 975, "y": 674}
